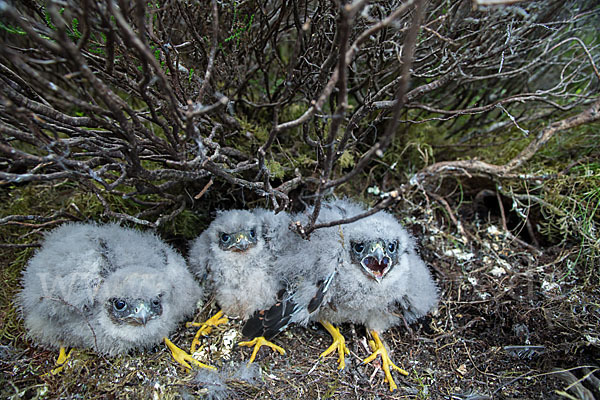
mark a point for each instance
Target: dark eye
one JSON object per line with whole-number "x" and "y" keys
{"x": 392, "y": 247}
{"x": 252, "y": 233}
{"x": 358, "y": 247}
{"x": 156, "y": 302}
{"x": 225, "y": 237}
{"x": 119, "y": 305}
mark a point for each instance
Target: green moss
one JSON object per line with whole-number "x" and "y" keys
{"x": 346, "y": 160}
{"x": 305, "y": 161}
{"x": 293, "y": 111}
{"x": 275, "y": 169}
{"x": 257, "y": 133}
{"x": 573, "y": 213}
{"x": 187, "y": 224}
{"x": 11, "y": 329}
{"x": 569, "y": 202}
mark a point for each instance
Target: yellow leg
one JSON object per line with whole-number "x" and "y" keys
{"x": 63, "y": 356}
{"x": 378, "y": 349}
{"x": 182, "y": 357}
{"x": 258, "y": 343}
{"x": 206, "y": 328}
{"x": 339, "y": 343}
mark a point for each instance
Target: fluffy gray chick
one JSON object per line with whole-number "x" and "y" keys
{"x": 105, "y": 287}
{"x": 379, "y": 278}
{"x": 234, "y": 256}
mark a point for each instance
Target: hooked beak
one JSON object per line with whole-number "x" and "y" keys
{"x": 141, "y": 315}
{"x": 241, "y": 242}
{"x": 376, "y": 263}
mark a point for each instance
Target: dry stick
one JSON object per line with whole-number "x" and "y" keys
{"x": 6, "y": 177}
{"x": 347, "y": 15}
{"x": 458, "y": 225}
{"x": 110, "y": 98}
{"x": 378, "y": 207}
{"x": 43, "y": 225}
{"x": 383, "y": 143}
{"x": 531, "y": 232}
{"x": 365, "y": 109}
{"x": 523, "y": 243}
{"x": 316, "y": 105}
{"x": 204, "y": 189}
{"x": 115, "y": 104}
{"x": 585, "y": 49}
{"x": 262, "y": 168}
{"x": 149, "y": 72}
{"x": 38, "y": 36}
{"x": 142, "y": 49}
{"x": 507, "y": 73}
{"x": 377, "y": 27}
{"x": 65, "y": 96}
{"x": 510, "y": 235}
{"x": 33, "y": 218}
{"x": 9, "y": 73}
{"x": 44, "y": 110}
{"x": 496, "y": 2}
{"x": 86, "y": 29}
{"x": 462, "y": 167}
{"x": 109, "y": 65}
{"x": 591, "y": 114}
{"x": 110, "y": 213}
{"x": 255, "y": 186}
{"x": 18, "y": 245}
{"x": 263, "y": 171}
{"x": 166, "y": 218}
{"x": 213, "y": 51}
{"x": 390, "y": 131}
{"x": 519, "y": 98}
{"x": 467, "y": 167}
{"x": 502, "y": 213}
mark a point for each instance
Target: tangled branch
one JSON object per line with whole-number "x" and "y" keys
{"x": 162, "y": 104}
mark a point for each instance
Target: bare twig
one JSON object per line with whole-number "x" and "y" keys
{"x": 109, "y": 97}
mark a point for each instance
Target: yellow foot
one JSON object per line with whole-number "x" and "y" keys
{"x": 182, "y": 357}
{"x": 378, "y": 349}
{"x": 258, "y": 343}
{"x": 206, "y": 328}
{"x": 60, "y": 361}
{"x": 339, "y": 344}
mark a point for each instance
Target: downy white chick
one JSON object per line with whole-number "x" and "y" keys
{"x": 107, "y": 288}
{"x": 366, "y": 272}
{"x": 234, "y": 256}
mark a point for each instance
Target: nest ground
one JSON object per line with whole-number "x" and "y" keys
{"x": 513, "y": 322}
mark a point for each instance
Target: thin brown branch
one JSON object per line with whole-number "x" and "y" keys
{"x": 213, "y": 51}
{"x": 591, "y": 114}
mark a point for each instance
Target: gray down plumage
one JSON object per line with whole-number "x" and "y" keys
{"x": 354, "y": 295}
{"x": 83, "y": 270}
{"x": 242, "y": 281}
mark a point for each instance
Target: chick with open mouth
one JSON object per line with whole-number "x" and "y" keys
{"x": 377, "y": 257}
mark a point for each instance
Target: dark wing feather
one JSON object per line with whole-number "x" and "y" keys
{"x": 268, "y": 323}
{"x": 322, "y": 288}
{"x": 254, "y": 326}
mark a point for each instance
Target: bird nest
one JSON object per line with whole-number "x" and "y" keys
{"x": 513, "y": 322}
